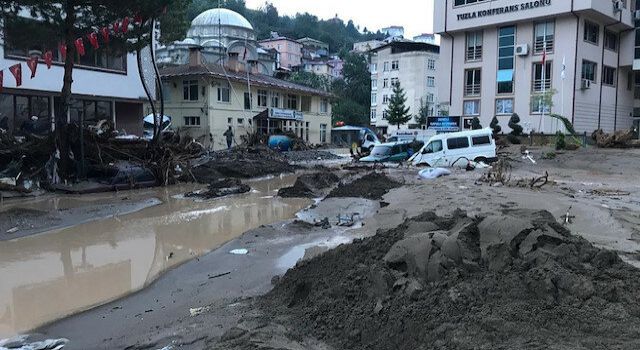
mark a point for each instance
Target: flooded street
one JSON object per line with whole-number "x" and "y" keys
{"x": 57, "y": 273}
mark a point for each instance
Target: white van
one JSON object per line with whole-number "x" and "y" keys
{"x": 457, "y": 149}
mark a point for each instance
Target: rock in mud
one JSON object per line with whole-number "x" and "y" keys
{"x": 309, "y": 185}
{"x": 371, "y": 186}
{"x": 221, "y": 188}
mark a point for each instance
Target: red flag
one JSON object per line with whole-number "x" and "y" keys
{"x": 137, "y": 19}
{"x": 105, "y": 34}
{"x": 16, "y": 70}
{"x": 63, "y": 51}
{"x": 1, "y": 80}
{"x": 544, "y": 57}
{"x": 32, "y": 63}
{"x": 116, "y": 27}
{"x": 93, "y": 40}
{"x": 48, "y": 59}
{"x": 125, "y": 24}
{"x": 80, "y": 46}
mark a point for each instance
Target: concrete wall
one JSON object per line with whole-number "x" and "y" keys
{"x": 290, "y": 51}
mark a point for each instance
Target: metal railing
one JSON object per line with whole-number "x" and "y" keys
{"x": 539, "y": 45}
{"x": 538, "y": 85}
{"x": 472, "y": 90}
{"x": 474, "y": 53}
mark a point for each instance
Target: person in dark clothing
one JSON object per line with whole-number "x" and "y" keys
{"x": 229, "y": 135}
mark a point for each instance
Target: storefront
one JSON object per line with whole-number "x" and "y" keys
{"x": 275, "y": 121}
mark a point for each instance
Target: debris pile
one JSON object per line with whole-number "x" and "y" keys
{"x": 500, "y": 175}
{"x": 309, "y": 185}
{"x": 512, "y": 280}
{"x": 371, "y": 186}
{"x": 221, "y": 188}
{"x": 619, "y": 139}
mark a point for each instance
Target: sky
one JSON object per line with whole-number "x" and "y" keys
{"x": 415, "y": 15}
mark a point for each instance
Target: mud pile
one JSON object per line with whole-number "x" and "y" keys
{"x": 371, "y": 186}
{"x": 241, "y": 163}
{"x": 309, "y": 185}
{"x": 221, "y": 188}
{"x": 517, "y": 280}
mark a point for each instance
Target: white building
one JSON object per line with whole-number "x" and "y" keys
{"x": 493, "y": 53}
{"x": 106, "y": 85}
{"x": 414, "y": 66}
{"x": 393, "y": 32}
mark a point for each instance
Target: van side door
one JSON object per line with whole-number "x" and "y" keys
{"x": 457, "y": 148}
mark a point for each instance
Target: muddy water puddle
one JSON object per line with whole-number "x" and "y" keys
{"x": 48, "y": 276}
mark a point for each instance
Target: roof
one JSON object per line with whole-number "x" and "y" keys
{"x": 307, "y": 39}
{"x": 278, "y": 38}
{"x": 401, "y": 46}
{"x": 225, "y": 17}
{"x": 216, "y": 71}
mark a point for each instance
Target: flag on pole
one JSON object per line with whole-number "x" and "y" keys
{"x": 48, "y": 59}
{"x": 32, "y": 63}
{"x": 105, "y": 34}
{"x": 125, "y": 25}
{"x": 16, "y": 70}
{"x": 63, "y": 51}
{"x": 80, "y": 46}
{"x": 93, "y": 40}
{"x": 544, "y": 57}
{"x": 564, "y": 68}
{"x": 116, "y": 27}
{"x": 137, "y": 19}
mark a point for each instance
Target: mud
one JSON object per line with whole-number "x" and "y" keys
{"x": 242, "y": 164}
{"x": 310, "y": 185}
{"x": 515, "y": 280}
{"x": 371, "y": 186}
{"x": 221, "y": 188}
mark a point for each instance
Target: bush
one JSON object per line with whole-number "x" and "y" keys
{"x": 561, "y": 143}
{"x": 513, "y": 139}
{"x": 495, "y": 126}
{"x": 475, "y": 124}
{"x": 516, "y": 129}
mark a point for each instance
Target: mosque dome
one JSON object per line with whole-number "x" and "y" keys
{"x": 222, "y": 17}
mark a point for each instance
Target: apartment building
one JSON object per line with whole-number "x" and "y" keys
{"x": 414, "y": 66}
{"x": 290, "y": 51}
{"x": 570, "y": 57}
{"x": 205, "y": 100}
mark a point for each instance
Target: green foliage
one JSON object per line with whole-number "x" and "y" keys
{"x": 353, "y": 92}
{"x": 423, "y": 113}
{"x": 513, "y": 139}
{"x": 475, "y": 124}
{"x": 320, "y": 82}
{"x": 495, "y": 126}
{"x": 560, "y": 141}
{"x": 516, "y": 129}
{"x": 397, "y": 113}
{"x": 566, "y": 122}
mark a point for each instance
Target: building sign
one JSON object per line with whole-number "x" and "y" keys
{"x": 288, "y": 114}
{"x": 444, "y": 124}
{"x": 529, "y": 5}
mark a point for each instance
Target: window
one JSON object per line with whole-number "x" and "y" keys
{"x": 434, "y": 147}
{"x": 262, "y": 98}
{"x": 191, "y": 121}
{"x": 374, "y": 84}
{"x": 385, "y": 83}
{"x": 323, "y": 133}
{"x": 373, "y": 115}
{"x": 240, "y": 121}
{"x": 385, "y": 99}
{"x": 538, "y": 104}
{"x": 589, "y": 70}
{"x": 292, "y": 102}
{"x": 386, "y": 67}
{"x": 481, "y": 140}
{"x": 544, "y": 37}
{"x": 591, "y": 33}
{"x": 610, "y": 41}
{"x": 307, "y": 131}
{"x": 374, "y": 99}
{"x": 431, "y": 64}
{"x": 471, "y": 107}
{"x": 229, "y": 121}
{"x": 247, "y": 101}
{"x": 224, "y": 94}
{"x": 305, "y": 103}
{"x": 504, "y": 106}
{"x": 474, "y": 46}
{"x": 506, "y": 59}
{"x": 458, "y": 143}
{"x": 608, "y": 75}
{"x": 431, "y": 81}
{"x": 190, "y": 90}
{"x": 541, "y": 79}
{"x": 374, "y": 68}
{"x": 430, "y": 98}
{"x": 385, "y": 114}
{"x": 472, "y": 82}
{"x": 395, "y": 81}
{"x": 395, "y": 65}
{"x": 324, "y": 105}
{"x": 275, "y": 100}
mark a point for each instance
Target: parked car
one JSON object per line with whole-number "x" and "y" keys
{"x": 457, "y": 149}
{"x": 393, "y": 151}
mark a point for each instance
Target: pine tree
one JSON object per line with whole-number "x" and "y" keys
{"x": 423, "y": 113}
{"x": 495, "y": 126}
{"x": 397, "y": 113}
{"x": 516, "y": 129}
{"x": 475, "y": 124}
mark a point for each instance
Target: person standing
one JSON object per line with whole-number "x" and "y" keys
{"x": 229, "y": 135}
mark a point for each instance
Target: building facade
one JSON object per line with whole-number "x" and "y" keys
{"x": 220, "y": 33}
{"x": 533, "y": 58}
{"x": 106, "y": 86}
{"x": 414, "y": 66}
{"x": 366, "y": 46}
{"x": 204, "y": 100}
{"x": 289, "y": 50}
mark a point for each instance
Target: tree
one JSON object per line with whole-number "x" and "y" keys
{"x": 495, "y": 126}
{"x": 397, "y": 113}
{"x": 516, "y": 129}
{"x": 353, "y": 92}
{"x": 423, "y": 113}
{"x": 316, "y": 81}
{"x": 475, "y": 124}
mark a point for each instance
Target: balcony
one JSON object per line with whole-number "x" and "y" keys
{"x": 474, "y": 53}
{"x": 539, "y": 87}
{"x": 472, "y": 90}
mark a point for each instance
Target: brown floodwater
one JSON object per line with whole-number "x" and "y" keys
{"x": 55, "y": 274}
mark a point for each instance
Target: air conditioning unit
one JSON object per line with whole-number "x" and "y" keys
{"x": 618, "y": 6}
{"x": 522, "y": 50}
{"x": 586, "y": 84}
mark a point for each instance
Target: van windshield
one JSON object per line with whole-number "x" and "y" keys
{"x": 379, "y": 151}
{"x": 433, "y": 147}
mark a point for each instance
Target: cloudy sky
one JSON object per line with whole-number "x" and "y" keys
{"x": 415, "y": 15}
